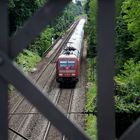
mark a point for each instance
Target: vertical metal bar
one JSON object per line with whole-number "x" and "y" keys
{"x": 3, "y": 83}
{"x": 105, "y": 69}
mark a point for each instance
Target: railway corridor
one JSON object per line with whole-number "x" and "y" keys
{"x": 28, "y": 122}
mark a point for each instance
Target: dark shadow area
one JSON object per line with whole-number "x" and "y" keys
{"x": 124, "y": 121}
{"x": 67, "y": 85}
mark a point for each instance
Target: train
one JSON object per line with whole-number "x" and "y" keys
{"x": 69, "y": 61}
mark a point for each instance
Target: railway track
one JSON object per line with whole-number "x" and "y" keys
{"x": 38, "y": 76}
{"x": 23, "y": 116}
{"x": 44, "y": 130}
{"x": 64, "y": 101}
{"x": 47, "y": 61}
{"x": 61, "y": 97}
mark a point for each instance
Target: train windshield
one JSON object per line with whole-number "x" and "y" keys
{"x": 63, "y": 63}
{"x": 69, "y": 63}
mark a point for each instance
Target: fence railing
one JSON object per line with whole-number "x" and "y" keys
{"x": 10, "y": 47}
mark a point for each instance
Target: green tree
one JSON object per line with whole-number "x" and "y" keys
{"x": 20, "y": 11}
{"x": 118, "y": 6}
{"x": 86, "y": 7}
{"x": 128, "y": 65}
{"x": 127, "y": 96}
{"x": 68, "y": 16}
{"x": 123, "y": 37}
{"x": 43, "y": 42}
{"x": 131, "y": 15}
{"x": 91, "y": 28}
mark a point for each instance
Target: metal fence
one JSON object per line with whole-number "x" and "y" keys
{"x": 10, "y": 47}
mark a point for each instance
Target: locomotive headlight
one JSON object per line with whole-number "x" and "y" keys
{"x": 73, "y": 74}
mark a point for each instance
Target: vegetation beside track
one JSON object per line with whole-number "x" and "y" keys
{"x": 90, "y": 125}
{"x": 127, "y": 63}
{"x": 27, "y": 60}
{"x": 90, "y": 33}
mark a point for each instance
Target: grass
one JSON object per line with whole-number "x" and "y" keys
{"x": 91, "y": 125}
{"x": 25, "y": 61}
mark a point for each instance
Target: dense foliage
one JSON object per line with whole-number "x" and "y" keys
{"x": 91, "y": 27}
{"x": 127, "y": 95}
{"x": 43, "y": 42}
{"x": 128, "y": 81}
{"x": 128, "y": 65}
{"x": 27, "y": 60}
{"x": 61, "y": 23}
{"x": 131, "y": 15}
{"x": 123, "y": 51}
{"x": 20, "y": 11}
{"x": 127, "y": 74}
{"x": 91, "y": 125}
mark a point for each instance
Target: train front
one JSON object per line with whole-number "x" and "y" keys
{"x": 68, "y": 63}
{"x": 67, "y": 69}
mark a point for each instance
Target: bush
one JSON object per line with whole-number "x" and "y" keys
{"x": 27, "y": 60}
{"x": 127, "y": 96}
{"x": 42, "y": 43}
{"x": 91, "y": 126}
{"x": 127, "y": 88}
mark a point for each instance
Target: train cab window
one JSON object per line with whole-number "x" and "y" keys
{"x": 69, "y": 63}
{"x": 63, "y": 64}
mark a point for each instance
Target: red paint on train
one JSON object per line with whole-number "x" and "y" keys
{"x": 68, "y": 62}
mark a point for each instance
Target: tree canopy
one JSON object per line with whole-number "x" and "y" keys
{"x": 127, "y": 58}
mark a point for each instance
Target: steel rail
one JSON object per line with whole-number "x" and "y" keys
{"x": 12, "y": 130}
{"x": 71, "y": 112}
{"x": 62, "y": 44}
{"x": 25, "y": 116}
{"x": 22, "y": 99}
{"x": 21, "y": 123}
{"x": 53, "y": 57}
{"x": 36, "y": 82}
{"x": 22, "y": 113}
{"x": 55, "y": 101}
{"x": 56, "y": 53}
{"x": 56, "y": 41}
{"x": 16, "y": 106}
{"x": 69, "y": 108}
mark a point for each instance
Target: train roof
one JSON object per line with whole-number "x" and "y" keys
{"x": 66, "y": 56}
{"x": 69, "y": 52}
{"x": 73, "y": 47}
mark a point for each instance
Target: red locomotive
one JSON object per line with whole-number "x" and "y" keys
{"x": 68, "y": 62}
